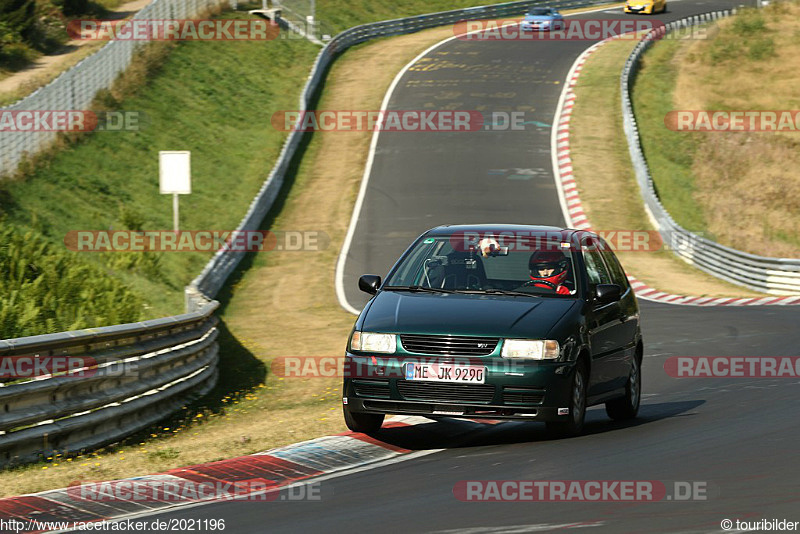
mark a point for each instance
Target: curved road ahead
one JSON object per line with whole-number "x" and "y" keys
{"x": 738, "y": 436}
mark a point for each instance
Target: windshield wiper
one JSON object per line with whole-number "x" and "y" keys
{"x": 419, "y": 288}
{"x": 499, "y": 292}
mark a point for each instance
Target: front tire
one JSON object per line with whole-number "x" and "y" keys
{"x": 627, "y": 407}
{"x": 366, "y": 423}
{"x": 577, "y": 406}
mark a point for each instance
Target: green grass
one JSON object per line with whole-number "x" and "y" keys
{"x": 669, "y": 154}
{"x": 338, "y": 15}
{"x": 213, "y": 98}
{"x": 42, "y": 288}
{"x": 673, "y": 156}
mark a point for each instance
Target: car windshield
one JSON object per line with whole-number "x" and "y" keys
{"x": 540, "y": 12}
{"x": 518, "y": 266}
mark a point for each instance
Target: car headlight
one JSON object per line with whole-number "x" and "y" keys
{"x": 372, "y": 342}
{"x": 530, "y": 349}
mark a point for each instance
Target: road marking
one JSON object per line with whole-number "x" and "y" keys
{"x": 362, "y": 192}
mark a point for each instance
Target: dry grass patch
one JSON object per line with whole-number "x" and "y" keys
{"x": 606, "y": 181}
{"x": 743, "y": 188}
{"x": 282, "y": 304}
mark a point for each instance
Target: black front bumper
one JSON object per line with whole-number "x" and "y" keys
{"x": 536, "y": 391}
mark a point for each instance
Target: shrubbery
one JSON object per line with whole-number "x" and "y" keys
{"x": 30, "y": 28}
{"x": 47, "y": 289}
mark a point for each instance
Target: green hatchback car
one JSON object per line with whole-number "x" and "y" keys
{"x": 532, "y": 323}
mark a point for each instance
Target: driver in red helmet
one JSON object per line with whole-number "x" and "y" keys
{"x": 548, "y": 269}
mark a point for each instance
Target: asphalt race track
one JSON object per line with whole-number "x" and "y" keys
{"x": 737, "y": 437}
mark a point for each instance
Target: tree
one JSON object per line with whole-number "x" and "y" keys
{"x": 18, "y": 16}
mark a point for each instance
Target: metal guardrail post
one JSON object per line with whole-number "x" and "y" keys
{"x": 777, "y": 276}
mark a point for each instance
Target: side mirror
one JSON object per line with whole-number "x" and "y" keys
{"x": 606, "y": 293}
{"x": 369, "y": 283}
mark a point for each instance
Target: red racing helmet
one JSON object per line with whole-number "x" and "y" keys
{"x": 548, "y": 266}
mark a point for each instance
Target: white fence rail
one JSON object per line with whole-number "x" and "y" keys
{"x": 175, "y": 357}
{"x": 76, "y": 88}
{"x": 128, "y": 377}
{"x": 777, "y": 276}
{"x": 209, "y": 282}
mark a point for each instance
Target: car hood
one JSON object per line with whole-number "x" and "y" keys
{"x": 540, "y": 18}
{"x": 404, "y": 312}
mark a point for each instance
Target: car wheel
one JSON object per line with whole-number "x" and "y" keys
{"x": 366, "y": 423}
{"x": 577, "y": 406}
{"x": 627, "y": 407}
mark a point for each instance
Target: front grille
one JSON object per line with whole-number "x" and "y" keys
{"x": 522, "y": 395}
{"x": 371, "y": 388}
{"x": 445, "y": 392}
{"x": 455, "y": 345}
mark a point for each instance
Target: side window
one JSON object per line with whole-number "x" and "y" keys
{"x": 411, "y": 270}
{"x": 617, "y": 272}
{"x": 595, "y": 268}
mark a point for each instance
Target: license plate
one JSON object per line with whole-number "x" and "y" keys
{"x": 446, "y": 372}
{"x": 447, "y": 411}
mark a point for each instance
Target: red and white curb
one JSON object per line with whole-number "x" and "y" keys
{"x": 314, "y": 460}
{"x": 576, "y": 216}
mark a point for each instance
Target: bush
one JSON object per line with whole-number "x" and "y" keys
{"x": 16, "y": 56}
{"x": 18, "y": 16}
{"x": 749, "y": 23}
{"x": 761, "y": 49}
{"x": 46, "y": 289}
{"x": 724, "y": 48}
{"x": 75, "y": 7}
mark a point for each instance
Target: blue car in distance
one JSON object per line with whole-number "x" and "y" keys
{"x": 543, "y": 19}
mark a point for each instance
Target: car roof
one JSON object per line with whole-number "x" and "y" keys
{"x": 450, "y": 229}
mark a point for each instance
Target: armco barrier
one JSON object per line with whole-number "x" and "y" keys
{"x": 76, "y": 88}
{"x": 209, "y": 282}
{"x": 139, "y": 373}
{"x": 777, "y": 276}
{"x": 175, "y": 358}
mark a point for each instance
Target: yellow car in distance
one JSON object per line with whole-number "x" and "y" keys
{"x": 648, "y": 7}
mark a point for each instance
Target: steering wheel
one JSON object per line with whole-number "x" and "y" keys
{"x": 539, "y": 283}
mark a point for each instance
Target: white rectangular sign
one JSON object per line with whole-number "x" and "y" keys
{"x": 174, "y": 172}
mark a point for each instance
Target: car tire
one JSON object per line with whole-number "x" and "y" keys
{"x": 577, "y": 406}
{"x": 366, "y": 423}
{"x": 627, "y": 407}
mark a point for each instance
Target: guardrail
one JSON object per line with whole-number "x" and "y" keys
{"x": 145, "y": 371}
{"x": 777, "y": 276}
{"x": 210, "y": 281}
{"x": 76, "y": 88}
{"x": 127, "y": 377}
